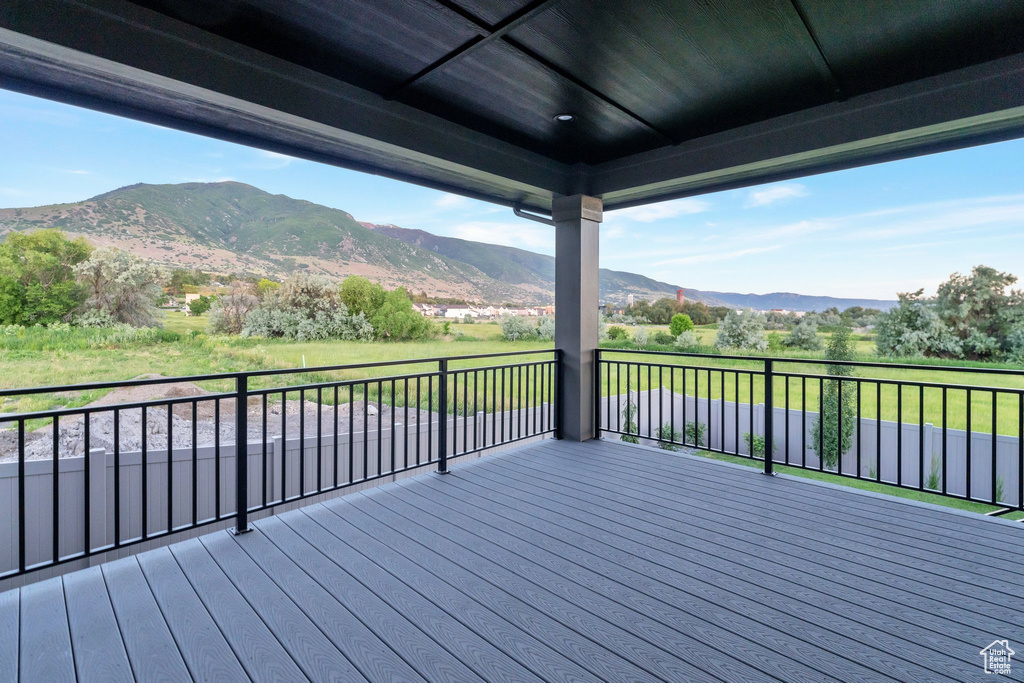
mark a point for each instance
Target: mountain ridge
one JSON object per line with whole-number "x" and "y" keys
{"x": 235, "y": 227}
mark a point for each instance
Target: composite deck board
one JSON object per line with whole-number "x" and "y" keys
{"x": 201, "y": 643}
{"x": 368, "y": 653}
{"x": 693, "y": 570}
{"x": 46, "y": 653}
{"x": 152, "y": 652}
{"x": 556, "y": 561}
{"x": 10, "y": 606}
{"x": 517, "y": 601}
{"x": 263, "y": 656}
{"x": 586, "y": 561}
{"x": 843, "y": 541}
{"x": 948, "y": 538}
{"x": 487, "y": 618}
{"x": 99, "y": 651}
{"x": 705, "y": 527}
{"x": 935, "y": 524}
{"x": 832, "y": 514}
{"x": 431, "y": 659}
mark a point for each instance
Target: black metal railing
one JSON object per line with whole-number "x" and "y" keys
{"x": 926, "y": 427}
{"x": 154, "y": 467}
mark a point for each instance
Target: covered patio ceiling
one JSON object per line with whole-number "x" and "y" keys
{"x": 667, "y": 98}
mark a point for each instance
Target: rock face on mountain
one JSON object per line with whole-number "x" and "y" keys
{"x": 236, "y": 228}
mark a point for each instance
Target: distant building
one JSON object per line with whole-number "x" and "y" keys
{"x": 680, "y": 296}
{"x": 629, "y": 300}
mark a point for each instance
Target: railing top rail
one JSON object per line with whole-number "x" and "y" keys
{"x": 823, "y": 361}
{"x": 88, "y": 386}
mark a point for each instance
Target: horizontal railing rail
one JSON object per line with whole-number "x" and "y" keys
{"x": 892, "y": 424}
{"x": 100, "y": 477}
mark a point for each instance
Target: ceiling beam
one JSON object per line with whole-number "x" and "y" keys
{"x": 490, "y": 34}
{"x": 167, "y": 72}
{"x": 976, "y": 105}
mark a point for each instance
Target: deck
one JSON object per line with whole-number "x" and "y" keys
{"x": 557, "y": 561}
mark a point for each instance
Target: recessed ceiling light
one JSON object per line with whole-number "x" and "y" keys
{"x": 564, "y": 117}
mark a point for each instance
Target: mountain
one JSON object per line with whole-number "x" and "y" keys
{"x": 518, "y": 266}
{"x": 231, "y": 227}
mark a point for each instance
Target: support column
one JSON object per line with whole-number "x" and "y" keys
{"x": 577, "y": 221}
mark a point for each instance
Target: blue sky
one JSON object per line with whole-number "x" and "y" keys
{"x": 868, "y": 232}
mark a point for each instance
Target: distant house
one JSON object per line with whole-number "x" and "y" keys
{"x": 459, "y": 312}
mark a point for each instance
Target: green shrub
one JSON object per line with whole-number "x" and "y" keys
{"x": 629, "y": 413}
{"x": 669, "y": 438}
{"x": 680, "y": 323}
{"x": 516, "y": 327}
{"x": 755, "y": 445}
{"x": 640, "y": 337}
{"x": 826, "y": 429}
{"x": 665, "y": 338}
{"x": 686, "y": 341}
{"x": 616, "y": 333}
{"x": 742, "y": 330}
{"x": 695, "y": 433}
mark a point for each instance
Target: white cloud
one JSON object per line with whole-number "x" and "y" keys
{"x": 75, "y": 171}
{"x": 12, "y": 192}
{"x": 270, "y": 161}
{"x": 657, "y": 212}
{"x": 775, "y": 193}
{"x": 523, "y": 236}
{"x": 451, "y": 201}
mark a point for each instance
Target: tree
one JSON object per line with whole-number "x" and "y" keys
{"x": 515, "y": 327}
{"x": 979, "y": 309}
{"x": 742, "y": 330}
{"x": 804, "y": 336}
{"x": 37, "y": 277}
{"x": 680, "y": 323}
{"x": 228, "y": 313}
{"x": 200, "y": 305}
{"x": 914, "y": 328}
{"x": 266, "y": 287}
{"x": 120, "y": 286}
{"x": 394, "y": 319}
{"x": 182, "y": 280}
{"x": 361, "y": 296}
{"x": 833, "y": 430}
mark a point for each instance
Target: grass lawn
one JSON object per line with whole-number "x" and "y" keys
{"x": 895, "y": 491}
{"x": 176, "y": 321}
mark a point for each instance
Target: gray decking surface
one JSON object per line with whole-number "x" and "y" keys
{"x": 557, "y": 561}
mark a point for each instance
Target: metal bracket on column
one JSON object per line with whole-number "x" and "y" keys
{"x": 532, "y": 216}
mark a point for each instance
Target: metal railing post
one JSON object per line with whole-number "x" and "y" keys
{"x": 241, "y": 455}
{"x": 597, "y": 393}
{"x": 442, "y": 426}
{"x": 769, "y": 410}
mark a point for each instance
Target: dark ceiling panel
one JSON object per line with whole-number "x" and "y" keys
{"x": 374, "y": 44}
{"x": 499, "y": 91}
{"x": 872, "y": 44}
{"x": 690, "y": 68}
{"x": 492, "y": 11}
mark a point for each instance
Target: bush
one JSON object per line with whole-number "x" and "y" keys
{"x": 680, "y": 323}
{"x": 516, "y": 327}
{"x": 616, "y": 333}
{"x": 666, "y": 435}
{"x": 695, "y": 433}
{"x": 640, "y": 337}
{"x": 662, "y": 338}
{"x": 228, "y": 313}
{"x": 546, "y": 328}
{"x": 804, "y": 336}
{"x": 755, "y": 445}
{"x": 305, "y": 308}
{"x": 200, "y": 305}
{"x": 742, "y": 330}
{"x": 686, "y": 341}
{"x": 395, "y": 320}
